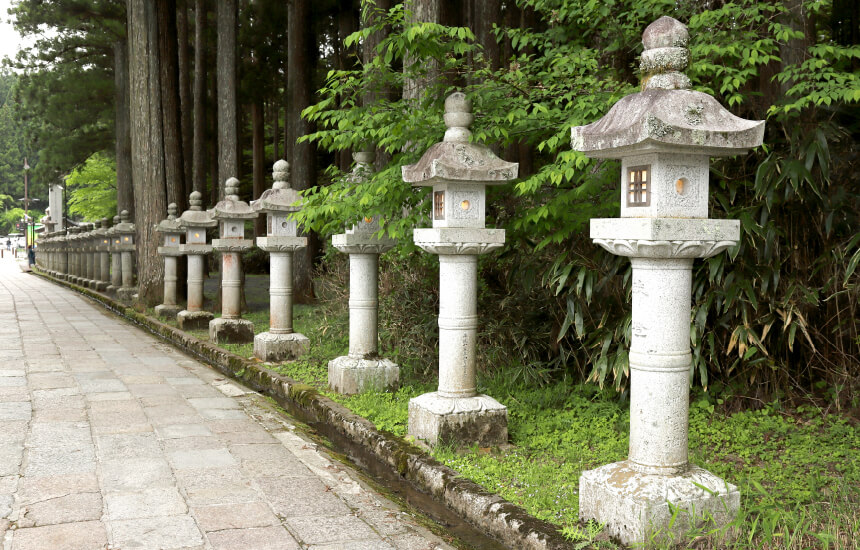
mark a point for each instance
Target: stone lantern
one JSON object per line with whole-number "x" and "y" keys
{"x": 231, "y": 214}
{"x": 281, "y": 241}
{"x": 362, "y": 369}
{"x": 92, "y": 256}
{"x": 664, "y": 136}
{"x": 115, "y": 257}
{"x": 63, "y": 248}
{"x": 74, "y": 255}
{"x": 102, "y": 256}
{"x": 459, "y": 172}
{"x": 172, "y": 233}
{"x": 125, "y": 233}
{"x": 195, "y": 221}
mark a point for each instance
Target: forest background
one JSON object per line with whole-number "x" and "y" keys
{"x": 135, "y": 104}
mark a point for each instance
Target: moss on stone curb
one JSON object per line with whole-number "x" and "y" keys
{"x": 489, "y": 512}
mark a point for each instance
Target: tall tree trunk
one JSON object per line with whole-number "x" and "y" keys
{"x": 488, "y": 12}
{"x": 276, "y": 138}
{"x": 199, "y": 154}
{"x": 420, "y": 11}
{"x": 228, "y": 164}
{"x": 124, "y": 188}
{"x": 368, "y": 52}
{"x": 185, "y": 101}
{"x": 148, "y": 179}
{"x": 259, "y": 160}
{"x": 168, "y": 73}
{"x": 300, "y": 48}
{"x": 347, "y": 23}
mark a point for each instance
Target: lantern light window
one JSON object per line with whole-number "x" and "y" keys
{"x": 439, "y": 205}
{"x": 638, "y": 192}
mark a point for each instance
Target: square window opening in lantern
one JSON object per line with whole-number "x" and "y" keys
{"x": 439, "y": 205}
{"x": 638, "y": 186}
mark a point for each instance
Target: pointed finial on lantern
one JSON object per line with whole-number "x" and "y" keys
{"x": 231, "y": 189}
{"x": 195, "y": 199}
{"x": 458, "y": 118}
{"x": 124, "y": 216}
{"x": 281, "y": 175}
{"x": 665, "y": 56}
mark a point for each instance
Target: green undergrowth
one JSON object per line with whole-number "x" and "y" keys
{"x": 798, "y": 469}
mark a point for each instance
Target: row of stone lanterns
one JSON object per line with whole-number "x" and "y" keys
{"x": 664, "y": 137}
{"x": 93, "y": 256}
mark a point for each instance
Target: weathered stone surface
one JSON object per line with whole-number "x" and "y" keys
{"x": 280, "y": 347}
{"x": 479, "y": 420}
{"x": 193, "y": 320}
{"x": 636, "y": 507}
{"x": 167, "y": 311}
{"x": 348, "y": 375}
{"x": 67, "y": 536}
{"x": 231, "y": 331}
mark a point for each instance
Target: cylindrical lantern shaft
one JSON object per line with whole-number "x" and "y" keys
{"x": 281, "y": 292}
{"x": 458, "y": 324}
{"x": 363, "y": 302}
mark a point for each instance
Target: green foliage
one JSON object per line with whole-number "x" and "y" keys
{"x": 779, "y": 309}
{"x": 91, "y": 188}
{"x": 14, "y": 145}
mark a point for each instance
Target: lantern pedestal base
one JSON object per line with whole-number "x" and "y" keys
{"x": 166, "y": 312}
{"x": 101, "y": 286}
{"x": 126, "y": 293}
{"x": 193, "y": 320}
{"x": 637, "y": 507}
{"x": 231, "y": 331}
{"x": 110, "y": 289}
{"x": 478, "y": 420}
{"x": 349, "y": 375}
{"x": 280, "y": 347}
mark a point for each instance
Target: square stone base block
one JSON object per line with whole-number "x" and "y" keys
{"x": 167, "y": 312}
{"x": 101, "y": 286}
{"x": 231, "y": 331}
{"x": 126, "y": 293}
{"x": 460, "y": 421}
{"x": 637, "y": 508}
{"x": 349, "y": 375}
{"x": 193, "y": 320}
{"x": 280, "y": 347}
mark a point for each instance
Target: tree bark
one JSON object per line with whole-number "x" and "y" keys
{"x": 347, "y": 23}
{"x": 368, "y": 52}
{"x": 300, "y": 48}
{"x": 199, "y": 146}
{"x": 228, "y": 165}
{"x": 420, "y": 11}
{"x": 486, "y": 13}
{"x": 124, "y": 188}
{"x": 259, "y": 160}
{"x": 185, "y": 100}
{"x": 168, "y": 74}
{"x": 145, "y": 134}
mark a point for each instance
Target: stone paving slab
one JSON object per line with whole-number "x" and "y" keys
{"x": 112, "y": 440}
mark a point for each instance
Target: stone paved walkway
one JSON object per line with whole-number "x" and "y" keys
{"x": 110, "y": 439}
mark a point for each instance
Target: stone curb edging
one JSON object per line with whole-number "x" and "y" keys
{"x": 489, "y": 512}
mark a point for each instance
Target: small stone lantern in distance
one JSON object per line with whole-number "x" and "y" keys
{"x": 115, "y": 258}
{"x": 125, "y": 232}
{"x": 195, "y": 221}
{"x": 281, "y": 241}
{"x": 664, "y": 137}
{"x": 171, "y": 250}
{"x": 231, "y": 214}
{"x": 362, "y": 369}
{"x": 458, "y": 172}
{"x": 103, "y": 256}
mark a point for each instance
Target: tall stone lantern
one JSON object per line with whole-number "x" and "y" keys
{"x": 125, "y": 232}
{"x": 102, "y": 256}
{"x": 115, "y": 257}
{"x": 92, "y": 256}
{"x": 170, "y": 250}
{"x": 664, "y": 137}
{"x": 195, "y": 221}
{"x": 281, "y": 241}
{"x": 231, "y": 214}
{"x": 459, "y": 172}
{"x": 74, "y": 254}
{"x": 362, "y": 369}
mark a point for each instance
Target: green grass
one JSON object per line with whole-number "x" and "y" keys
{"x": 798, "y": 470}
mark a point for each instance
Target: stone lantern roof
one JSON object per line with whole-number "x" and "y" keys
{"x": 195, "y": 216}
{"x": 667, "y": 115}
{"x": 457, "y": 160}
{"x": 112, "y": 229}
{"x": 171, "y": 224}
{"x": 281, "y": 197}
{"x": 232, "y": 208}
